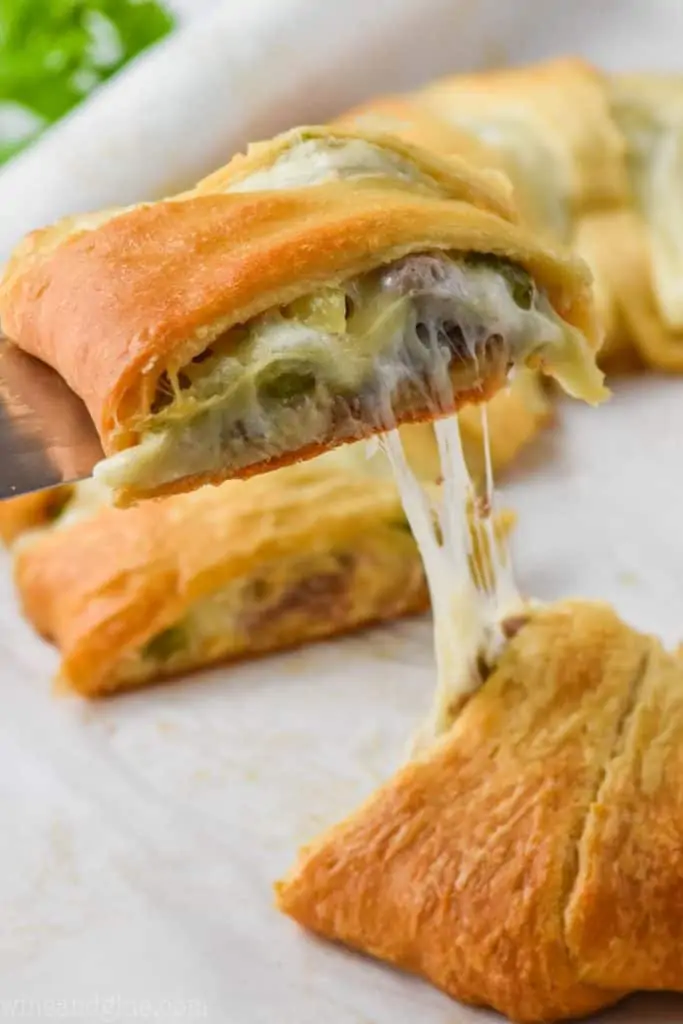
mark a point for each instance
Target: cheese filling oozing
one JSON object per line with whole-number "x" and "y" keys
{"x": 347, "y": 360}
{"x": 469, "y": 601}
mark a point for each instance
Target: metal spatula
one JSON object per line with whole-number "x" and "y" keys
{"x": 46, "y": 434}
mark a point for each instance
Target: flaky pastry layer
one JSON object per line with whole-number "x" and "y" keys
{"x": 130, "y": 596}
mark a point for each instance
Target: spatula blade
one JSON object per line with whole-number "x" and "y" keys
{"x": 46, "y": 434}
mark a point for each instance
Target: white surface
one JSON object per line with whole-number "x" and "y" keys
{"x": 140, "y": 837}
{"x": 244, "y": 69}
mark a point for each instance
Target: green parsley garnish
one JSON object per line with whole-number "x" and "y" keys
{"x": 54, "y": 53}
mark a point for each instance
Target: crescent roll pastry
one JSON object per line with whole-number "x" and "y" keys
{"x": 325, "y": 286}
{"x": 649, "y": 112}
{"x": 25, "y": 517}
{"x": 552, "y": 126}
{"x": 532, "y": 859}
{"x": 174, "y": 584}
{"x": 599, "y": 239}
{"x": 413, "y": 121}
{"x": 31, "y": 511}
{"x": 623, "y": 275}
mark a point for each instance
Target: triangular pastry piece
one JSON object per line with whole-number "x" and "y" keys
{"x": 532, "y": 859}
{"x": 324, "y": 287}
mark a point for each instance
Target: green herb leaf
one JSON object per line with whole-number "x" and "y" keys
{"x": 54, "y": 54}
{"x": 521, "y": 284}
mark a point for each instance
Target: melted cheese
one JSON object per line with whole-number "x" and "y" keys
{"x": 227, "y": 415}
{"x": 467, "y": 607}
{"x": 318, "y": 161}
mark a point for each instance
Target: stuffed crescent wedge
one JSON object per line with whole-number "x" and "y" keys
{"x": 531, "y": 859}
{"x": 328, "y": 285}
{"x": 134, "y": 595}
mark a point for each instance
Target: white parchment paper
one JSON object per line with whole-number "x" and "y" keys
{"x": 139, "y": 838}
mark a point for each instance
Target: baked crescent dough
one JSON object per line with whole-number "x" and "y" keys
{"x": 415, "y": 122}
{"x": 174, "y": 584}
{"x": 532, "y": 859}
{"x": 321, "y": 288}
{"x": 623, "y": 272}
{"x": 552, "y": 126}
{"x": 649, "y": 112}
{"x": 597, "y": 238}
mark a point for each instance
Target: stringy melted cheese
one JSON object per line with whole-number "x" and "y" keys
{"x": 299, "y": 374}
{"x": 468, "y": 606}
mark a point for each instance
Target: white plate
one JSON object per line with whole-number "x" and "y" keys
{"x": 140, "y": 837}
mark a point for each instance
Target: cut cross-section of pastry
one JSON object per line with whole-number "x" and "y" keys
{"x": 175, "y": 584}
{"x": 326, "y": 286}
{"x": 532, "y": 859}
{"x": 552, "y": 127}
{"x": 516, "y": 413}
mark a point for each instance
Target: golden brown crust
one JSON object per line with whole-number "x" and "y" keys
{"x": 167, "y": 278}
{"x": 625, "y": 917}
{"x": 597, "y": 237}
{"x": 531, "y": 859}
{"x": 102, "y": 588}
{"x": 566, "y": 101}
